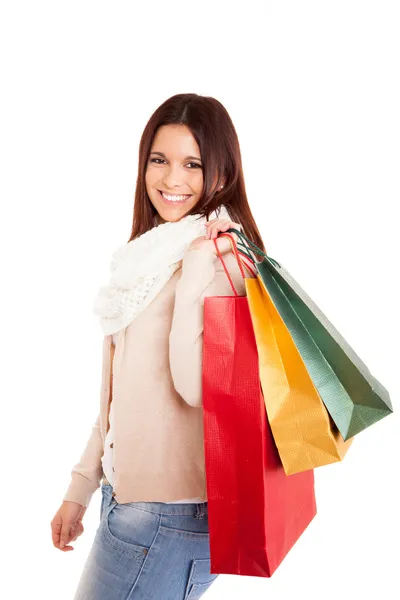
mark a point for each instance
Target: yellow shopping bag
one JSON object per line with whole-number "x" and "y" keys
{"x": 305, "y": 434}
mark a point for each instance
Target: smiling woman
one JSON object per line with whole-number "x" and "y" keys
{"x": 147, "y": 444}
{"x": 174, "y": 183}
{"x": 189, "y": 147}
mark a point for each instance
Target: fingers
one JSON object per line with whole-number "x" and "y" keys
{"x": 65, "y": 534}
{"x": 68, "y": 531}
{"x": 55, "y": 533}
{"x": 223, "y": 245}
{"x": 67, "y": 525}
{"x": 73, "y": 532}
{"x": 77, "y": 529}
{"x": 58, "y": 537}
{"x": 216, "y": 225}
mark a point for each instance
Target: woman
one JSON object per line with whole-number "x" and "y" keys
{"x": 146, "y": 448}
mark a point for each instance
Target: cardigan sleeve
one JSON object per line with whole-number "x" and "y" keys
{"x": 87, "y": 473}
{"x": 202, "y": 275}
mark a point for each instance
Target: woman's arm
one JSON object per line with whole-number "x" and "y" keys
{"x": 202, "y": 275}
{"x": 87, "y": 473}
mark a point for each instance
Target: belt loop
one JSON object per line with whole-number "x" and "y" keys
{"x": 200, "y": 510}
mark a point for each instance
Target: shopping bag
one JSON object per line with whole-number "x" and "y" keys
{"x": 256, "y": 512}
{"x": 354, "y": 398}
{"x": 304, "y": 433}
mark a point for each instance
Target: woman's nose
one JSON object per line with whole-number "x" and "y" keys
{"x": 173, "y": 178}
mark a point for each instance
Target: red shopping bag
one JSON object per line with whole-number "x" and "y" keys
{"x": 256, "y": 512}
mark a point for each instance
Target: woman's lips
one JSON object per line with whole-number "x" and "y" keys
{"x": 170, "y": 202}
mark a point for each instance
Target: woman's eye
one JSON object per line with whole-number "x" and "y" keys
{"x": 153, "y": 160}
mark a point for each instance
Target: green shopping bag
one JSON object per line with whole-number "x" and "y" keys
{"x": 354, "y": 398}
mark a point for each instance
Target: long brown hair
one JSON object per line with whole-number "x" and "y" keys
{"x": 215, "y": 134}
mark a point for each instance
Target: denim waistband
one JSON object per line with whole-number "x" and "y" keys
{"x": 198, "y": 509}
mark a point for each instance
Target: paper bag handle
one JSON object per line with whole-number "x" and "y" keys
{"x": 240, "y": 262}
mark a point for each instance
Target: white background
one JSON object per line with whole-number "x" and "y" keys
{"x": 313, "y": 91}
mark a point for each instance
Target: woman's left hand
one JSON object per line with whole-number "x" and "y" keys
{"x": 213, "y": 228}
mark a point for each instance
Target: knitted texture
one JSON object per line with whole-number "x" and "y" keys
{"x": 141, "y": 267}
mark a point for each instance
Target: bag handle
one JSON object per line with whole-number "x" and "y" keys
{"x": 239, "y": 260}
{"x": 239, "y": 254}
{"x": 257, "y": 250}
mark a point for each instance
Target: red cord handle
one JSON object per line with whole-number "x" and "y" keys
{"x": 239, "y": 260}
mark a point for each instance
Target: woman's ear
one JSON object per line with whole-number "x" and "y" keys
{"x": 221, "y": 185}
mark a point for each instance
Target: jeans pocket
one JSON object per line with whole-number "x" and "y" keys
{"x": 200, "y": 578}
{"x": 120, "y": 532}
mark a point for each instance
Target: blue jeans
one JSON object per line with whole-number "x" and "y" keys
{"x": 147, "y": 550}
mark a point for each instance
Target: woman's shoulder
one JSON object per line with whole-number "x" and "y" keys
{"x": 203, "y": 274}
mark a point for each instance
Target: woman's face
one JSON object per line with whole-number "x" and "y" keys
{"x": 174, "y": 168}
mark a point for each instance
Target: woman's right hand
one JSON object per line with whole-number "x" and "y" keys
{"x": 66, "y": 525}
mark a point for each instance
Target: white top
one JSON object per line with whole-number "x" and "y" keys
{"x": 107, "y": 458}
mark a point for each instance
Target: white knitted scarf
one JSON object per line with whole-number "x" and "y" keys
{"x": 141, "y": 267}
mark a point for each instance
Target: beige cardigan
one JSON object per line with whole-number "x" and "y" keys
{"x": 155, "y": 377}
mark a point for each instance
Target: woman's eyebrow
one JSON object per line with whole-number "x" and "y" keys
{"x": 162, "y": 154}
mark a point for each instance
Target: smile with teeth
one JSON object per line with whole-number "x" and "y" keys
{"x": 174, "y": 197}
